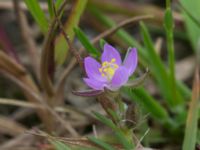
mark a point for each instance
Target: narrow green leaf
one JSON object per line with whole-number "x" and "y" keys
{"x": 50, "y": 8}
{"x": 86, "y": 43}
{"x": 164, "y": 80}
{"x": 122, "y": 138}
{"x": 126, "y": 141}
{"x": 156, "y": 64}
{"x": 38, "y": 14}
{"x": 114, "y": 115}
{"x": 150, "y": 104}
{"x": 58, "y": 3}
{"x": 193, "y": 30}
{"x": 169, "y": 26}
{"x": 168, "y": 20}
{"x": 102, "y": 42}
{"x": 105, "y": 120}
{"x": 101, "y": 143}
{"x": 59, "y": 145}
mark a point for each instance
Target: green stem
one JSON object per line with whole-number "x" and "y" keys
{"x": 169, "y": 26}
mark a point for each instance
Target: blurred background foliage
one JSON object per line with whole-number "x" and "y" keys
{"x": 42, "y": 47}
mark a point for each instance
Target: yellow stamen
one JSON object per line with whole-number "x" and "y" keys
{"x": 108, "y": 69}
{"x": 113, "y": 60}
{"x": 104, "y": 63}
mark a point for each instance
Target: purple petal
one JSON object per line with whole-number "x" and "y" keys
{"x": 131, "y": 60}
{"x": 94, "y": 84}
{"x": 120, "y": 78}
{"x": 109, "y": 53}
{"x": 92, "y": 69}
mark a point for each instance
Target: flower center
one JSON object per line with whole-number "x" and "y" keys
{"x": 108, "y": 69}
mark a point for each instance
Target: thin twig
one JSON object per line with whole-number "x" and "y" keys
{"x": 29, "y": 42}
{"x": 25, "y": 104}
{"x": 120, "y": 25}
{"x": 20, "y": 103}
{"x": 10, "y": 65}
{"x": 71, "y": 47}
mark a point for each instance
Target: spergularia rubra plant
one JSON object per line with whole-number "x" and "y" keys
{"x": 111, "y": 73}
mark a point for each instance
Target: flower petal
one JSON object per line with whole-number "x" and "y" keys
{"x": 109, "y": 53}
{"x": 120, "y": 78}
{"x": 92, "y": 69}
{"x": 94, "y": 84}
{"x": 131, "y": 60}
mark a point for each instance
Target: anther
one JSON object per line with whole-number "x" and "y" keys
{"x": 113, "y": 60}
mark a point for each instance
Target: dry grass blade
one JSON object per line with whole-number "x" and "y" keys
{"x": 120, "y": 25}
{"x": 23, "y": 103}
{"x": 192, "y": 118}
{"x": 36, "y": 98}
{"x": 18, "y": 142}
{"x": 10, "y": 65}
{"x": 10, "y": 127}
{"x": 46, "y": 55}
{"x": 17, "y": 73}
{"x": 29, "y": 42}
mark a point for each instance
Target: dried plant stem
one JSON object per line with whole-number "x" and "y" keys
{"x": 120, "y": 25}
{"x": 10, "y": 127}
{"x": 46, "y": 56}
{"x": 10, "y": 68}
{"x": 18, "y": 74}
{"x": 191, "y": 128}
{"x": 37, "y": 98}
{"x": 29, "y": 42}
{"x": 33, "y": 105}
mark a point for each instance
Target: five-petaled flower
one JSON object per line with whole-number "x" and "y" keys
{"x": 112, "y": 73}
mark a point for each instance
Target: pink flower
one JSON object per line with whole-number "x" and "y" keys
{"x": 112, "y": 73}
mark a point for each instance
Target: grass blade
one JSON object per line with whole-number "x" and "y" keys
{"x": 105, "y": 120}
{"x": 125, "y": 140}
{"x": 160, "y": 71}
{"x": 193, "y": 29}
{"x": 150, "y": 104}
{"x": 101, "y": 143}
{"x": 86, "y": 43}
{"x": 37, "y": 14}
